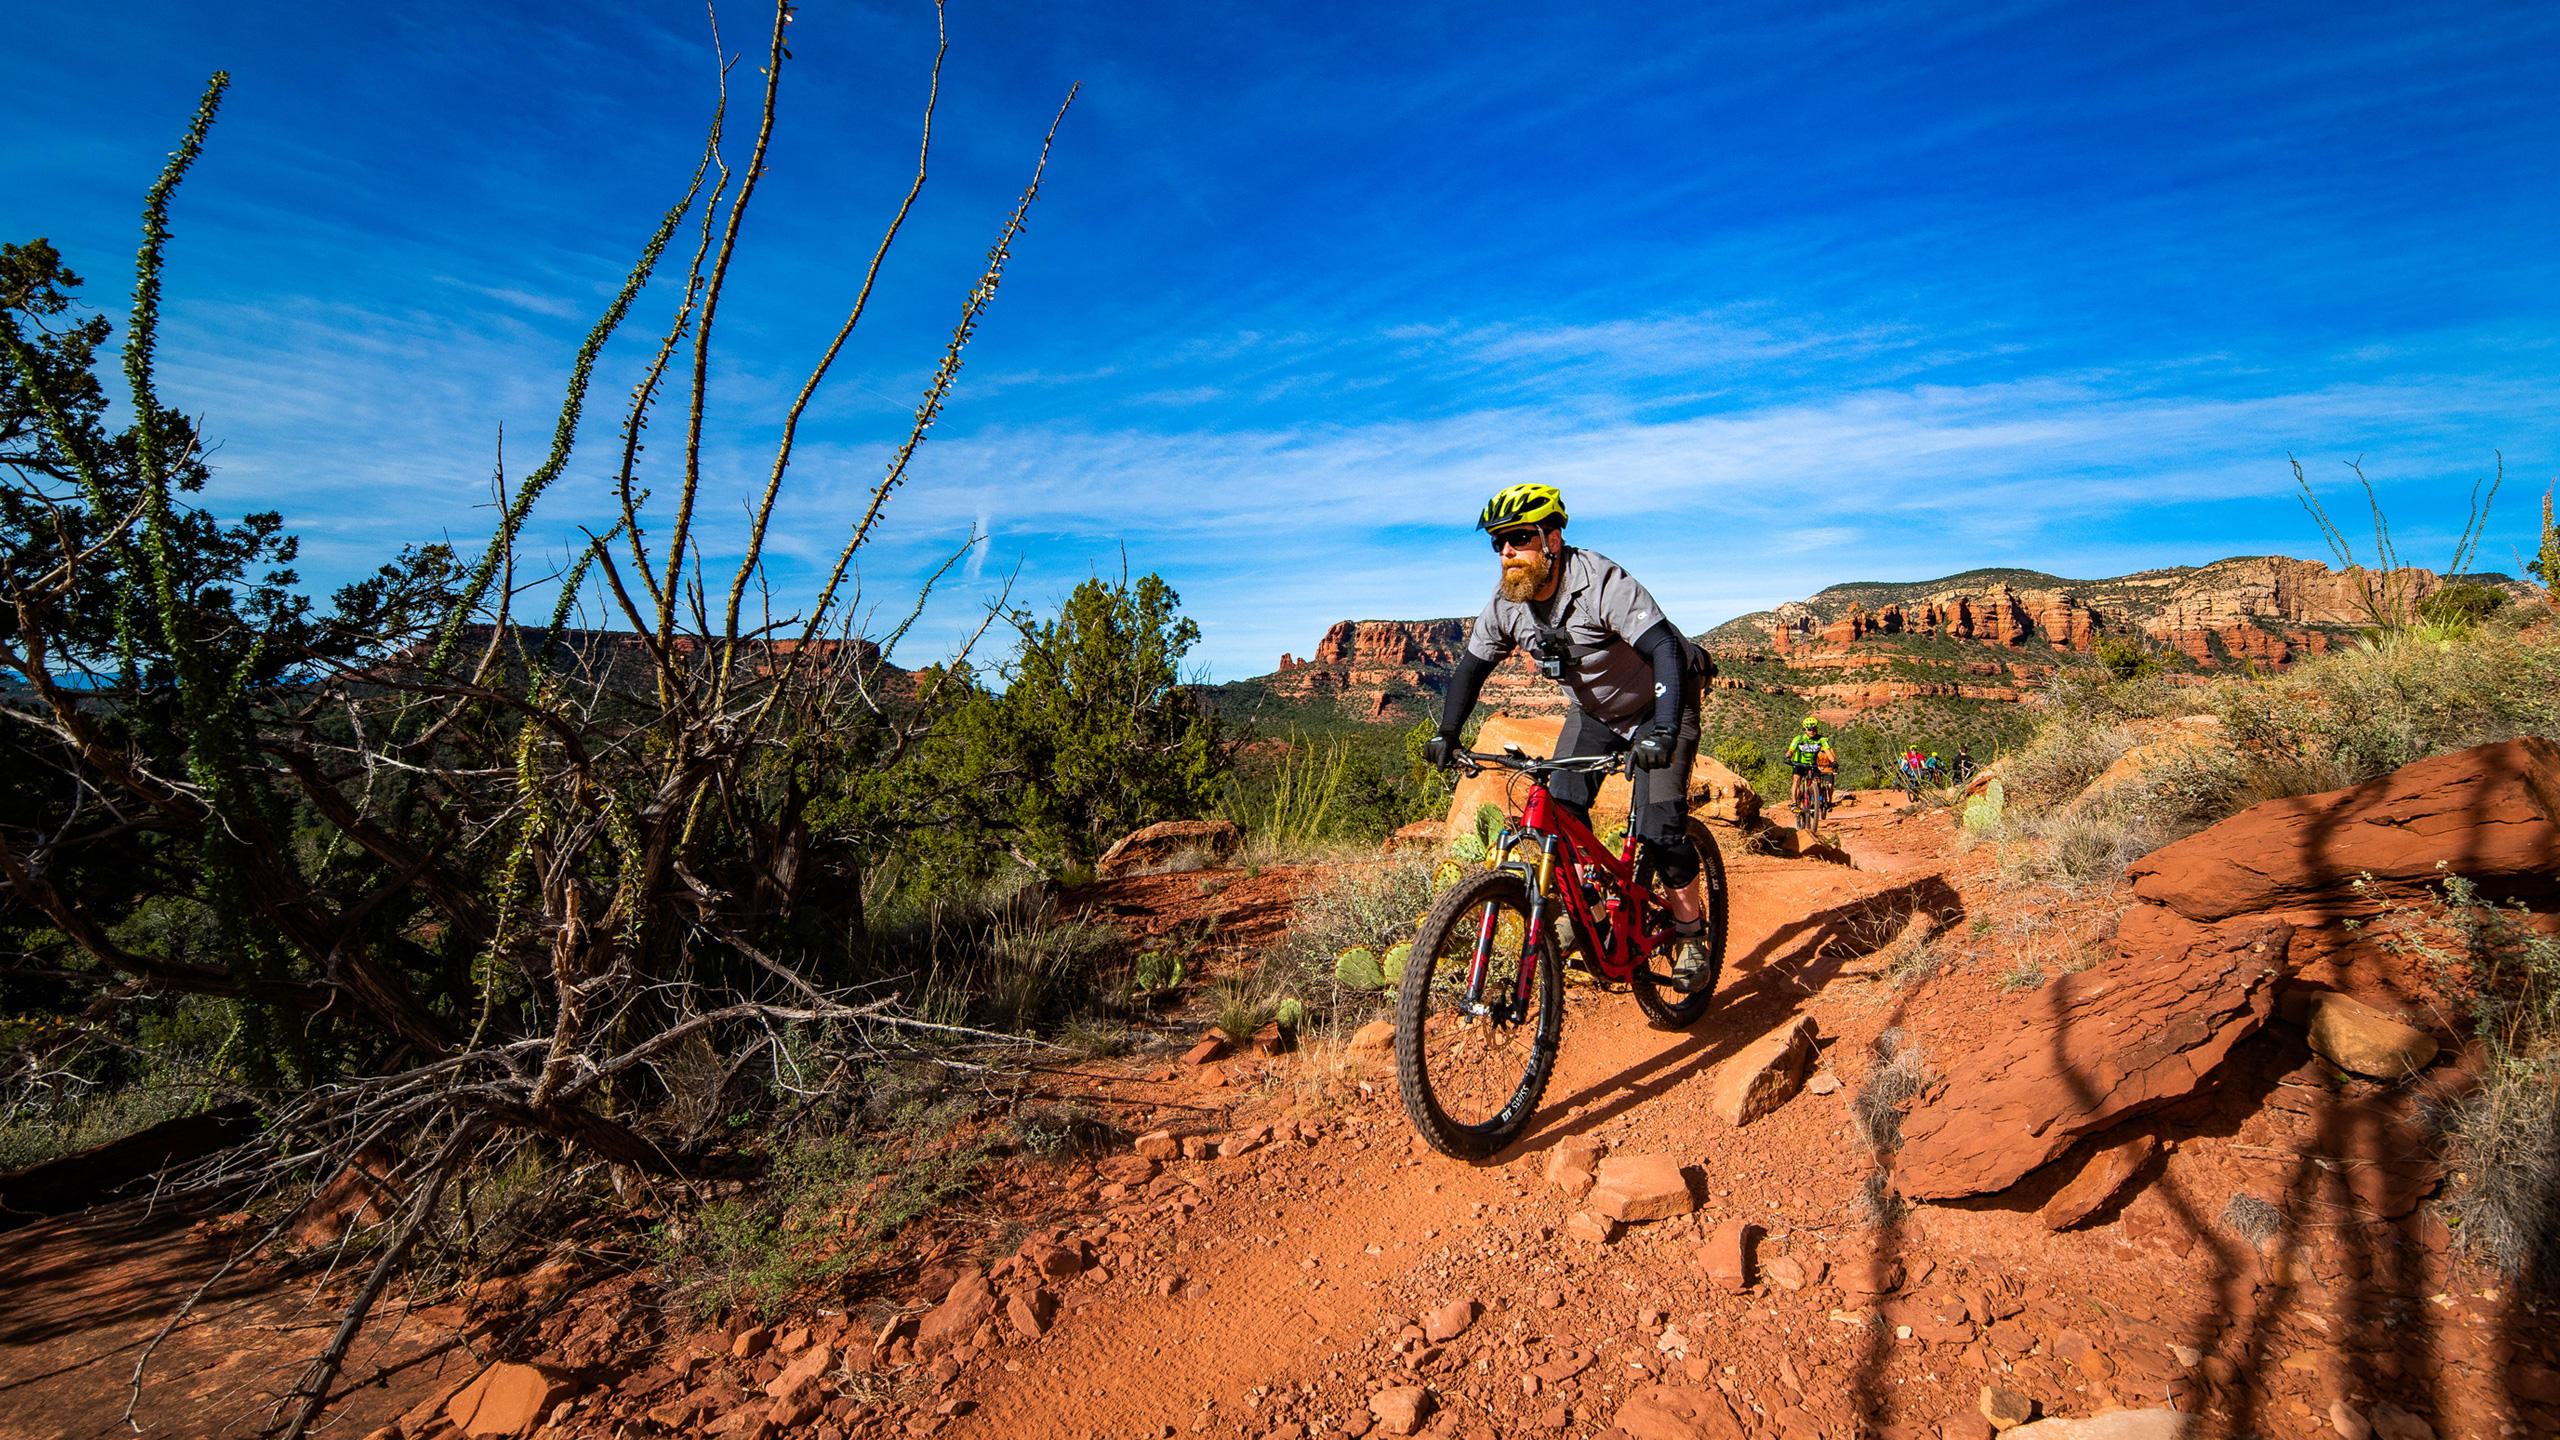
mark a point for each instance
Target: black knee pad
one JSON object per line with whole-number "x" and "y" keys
{"x": 1675, "y": 859}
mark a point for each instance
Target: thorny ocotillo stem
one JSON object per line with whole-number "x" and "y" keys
{"x": 940, "y": 389}
{"x": 680, "y": 535}
{"x": 644, "y": 395}
{"x": 861, "y": 301}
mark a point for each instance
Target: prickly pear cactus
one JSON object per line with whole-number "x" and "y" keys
{"x": 1357, "y": 968}
{"x": 1985, "y": 814}
{"x": 1392, "y": 968}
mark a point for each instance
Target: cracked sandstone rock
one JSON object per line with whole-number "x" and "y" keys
{"x": 2490, "y": 813}
{"x": 2119, "y": 1040}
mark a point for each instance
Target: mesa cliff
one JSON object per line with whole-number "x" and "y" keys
{"x": 1989, "y": 637}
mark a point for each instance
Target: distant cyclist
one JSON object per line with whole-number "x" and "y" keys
{"x": 1937, "y": 772}
{"x": 1964, "y": 764}
{"x": 1635, "y": 682}
{"x": 1809, "y": 756}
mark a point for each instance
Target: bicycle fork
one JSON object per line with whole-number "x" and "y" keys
{"x": 1513, "y": 1008}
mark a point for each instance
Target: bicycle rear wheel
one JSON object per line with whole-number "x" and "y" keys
{"x": 1666, "y": 1007}
{"x": 1472, "y": 1068}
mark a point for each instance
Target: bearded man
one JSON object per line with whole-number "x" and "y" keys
{"x": 1635, "y": 683}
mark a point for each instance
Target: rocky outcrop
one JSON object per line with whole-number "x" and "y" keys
{"x": 2490, "y": 814}
{"x": 1391, "y": 644}
{"x": 1993, "y": 615}
{"x": 1397, "y": 670}
{"x": 1170, "y": 844}
{"x": 2119, "y": 1040}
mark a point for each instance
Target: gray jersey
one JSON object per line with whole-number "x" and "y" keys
{"x": 1600, "y": 610}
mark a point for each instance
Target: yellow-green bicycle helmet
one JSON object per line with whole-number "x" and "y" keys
{"x": 1522, "y": 505}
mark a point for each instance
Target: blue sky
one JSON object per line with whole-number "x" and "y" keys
{"x": 1782, "y": 296}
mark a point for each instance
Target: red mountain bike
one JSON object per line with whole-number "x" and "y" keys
{"x": 1481, "y": 1008}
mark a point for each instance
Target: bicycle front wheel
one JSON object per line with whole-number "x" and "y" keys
{"x": 1476, "y": 1043}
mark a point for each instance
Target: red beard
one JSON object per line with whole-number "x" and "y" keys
{"x": 1523, "y": 576}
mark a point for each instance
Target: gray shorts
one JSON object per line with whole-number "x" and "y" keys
{"x": 1660, "y": 811}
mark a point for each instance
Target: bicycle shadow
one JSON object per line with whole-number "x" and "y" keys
{"x": 1793, "y": 965}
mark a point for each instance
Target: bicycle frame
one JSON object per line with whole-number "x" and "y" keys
{"x": 1562, "y": 836}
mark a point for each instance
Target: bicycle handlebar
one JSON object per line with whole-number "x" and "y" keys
{"x": 1472, "y": 761}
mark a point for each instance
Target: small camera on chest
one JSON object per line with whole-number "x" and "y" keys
{"x": 1551, "y": 653}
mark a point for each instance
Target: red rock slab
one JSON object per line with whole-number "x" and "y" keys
{"x": 970, "y": 1304}
{"x": 1726, "y": 1257}
{"x": 2490, "y": 813}
{"x": 2086, "y": 1051}
{"x": 504, "y": 1400}
{"x": 1166, "y": 840}
{"x": 1679, "y": 1412}
{"x": 2098, "y": 1182}
{"x": 1641, "y": 1187}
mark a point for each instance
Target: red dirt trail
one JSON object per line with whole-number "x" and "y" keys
{"x": 1268, "y": 1295}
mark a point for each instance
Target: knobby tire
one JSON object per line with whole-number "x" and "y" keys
{"x": 1470, "y": 1084}
{"x": 1666, "y": 1007}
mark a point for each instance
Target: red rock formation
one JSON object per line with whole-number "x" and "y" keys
{"x": 2490, "y": 814}
{"x": 2116, "y": 1041}
{"x": 2235, "y": 600}
{"x": 1375, "y": 668}
{"x": 1381, "y": 644}
{"x": 2061, "y": 619}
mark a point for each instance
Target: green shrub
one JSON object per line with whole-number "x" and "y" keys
{"x": 2125, "y": 659}
{"x": 2365, "y": 711}
{"x": 2461, "y": 605}
{"x": 1745, "y": 758}
{"x": 829, "y": 1206}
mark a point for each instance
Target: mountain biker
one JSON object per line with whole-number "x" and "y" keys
{"x": 1635, "y": 683}
{"x": 1937, "y": 772}
{"x": 1964, "y": 764}
{"x": 1809, "y": 756}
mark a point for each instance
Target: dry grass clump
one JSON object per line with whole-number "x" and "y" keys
{"x": 2503, "y": 971}
{"x": 2332, "y": 721}
{"x": 2252, "y": 1219}
{"x": 1895, "y": 1079}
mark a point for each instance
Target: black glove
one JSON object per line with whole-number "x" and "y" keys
{"x": 1653, "y": 752}
{"x": 1437, "y": 749}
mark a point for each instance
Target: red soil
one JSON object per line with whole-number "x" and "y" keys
{"x": 1274, "y": 1302}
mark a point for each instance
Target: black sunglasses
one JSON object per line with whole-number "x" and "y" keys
{"x": 1524, "y": 538}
